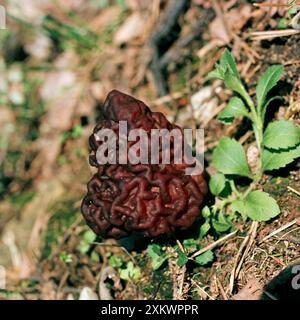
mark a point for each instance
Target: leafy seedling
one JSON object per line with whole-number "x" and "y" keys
{"x": 127, "y": 270}
{"x": 278, "y": 144}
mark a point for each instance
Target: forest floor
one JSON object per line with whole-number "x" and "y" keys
{"x": 58, "y": 64}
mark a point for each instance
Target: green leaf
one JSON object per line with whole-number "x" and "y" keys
{"x": 235, "y": 108}
{"x": 227, "y": 62}
{"x": 266, "y": 104}
{"x": 182, "y": 258}
{"x": 293, "y": 10}
{"x": 83, "y": 247}
{"x": 266, "y": 82}
{"x": 205, "y": 258}
{"x": 238, "y": 206}
{"x": 77, "y": 132}
{"x": 282, "y": 134}
{"x": 205, "y": 227}
{"x": 221, "y": 224}
{"x": 259, "y": 206}
{"x": 233, "y": 83}
{"x": 215, "y": 74}
{"x": 190, "y": 244}
{"x": 273, "y": 160}
{"x": 89, "y": 236}
{"x": 229, "y": 158}
{"x": 115, "y": 261}
{"x": 217, "y": 184}
{"x": 206, "y": 212}
{"x": 130, "y": 272}
{"x": 157, "y": 256}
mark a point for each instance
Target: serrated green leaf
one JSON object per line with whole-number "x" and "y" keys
{"x": 182, "y": 258}
{"x": 259, "y": 206}
{"x": 235, "y": 108}
{"x": 273, "y": 160}
{"x": 217, "y": 184}
{"x": 227, "y": 62}
{"x": 205, "y": 258}
{"x": 282, "y": 134}
{"x": 266, "y": 82}
{"x": 233, "y": 83}
{"x": 229, "y": 158}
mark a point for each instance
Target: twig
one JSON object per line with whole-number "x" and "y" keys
{"x": 180, "y": 246}
{"x": 253, "y": 231}
{"x": 270, "y": 4}
{"x": 291, "y": 238}
{"x": 264, "y": 35}
{"x": 223, "y": 293}
{"x": 295, "y": 23}
{"x": 238, "y": 263}
{"x": 272, "y": 234}
{"x": 214, "y": 244}
{"x": 201, "y": 289}
{"x": 294, "y": 190}
{"x": 162, "y": 36}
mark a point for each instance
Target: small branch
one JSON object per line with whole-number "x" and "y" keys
{"x": 272, "y": 234}
{"x": 238, "y": 263}
{"x": 213, "y": 245}
{"x": 265, "y": 35}
{"x": 293, "y": 190}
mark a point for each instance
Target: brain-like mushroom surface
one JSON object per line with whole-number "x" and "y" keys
{"x": 152, "y": 199}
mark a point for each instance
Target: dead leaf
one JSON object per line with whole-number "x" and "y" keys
{"x": 251, "y": 291}
{"x": 130, "y": 29}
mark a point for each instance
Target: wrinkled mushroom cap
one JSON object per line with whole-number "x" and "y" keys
{"x": 145, "y": 198}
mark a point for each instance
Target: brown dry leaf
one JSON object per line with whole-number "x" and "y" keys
{"x": 251, "y": 291}
{"x": 223, "y": 28}
{"x": 218, "y": 31}
{"x": 131, "y": 28}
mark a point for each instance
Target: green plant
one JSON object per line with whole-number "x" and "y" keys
{"x": 278, "y": 144}
{"x": 127, "y": 270}
{"x": 187, "y": 251}
{"x": 85, "y": 243}
{"x": 66, "y": 257}
{"x": 75, "y": 133}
